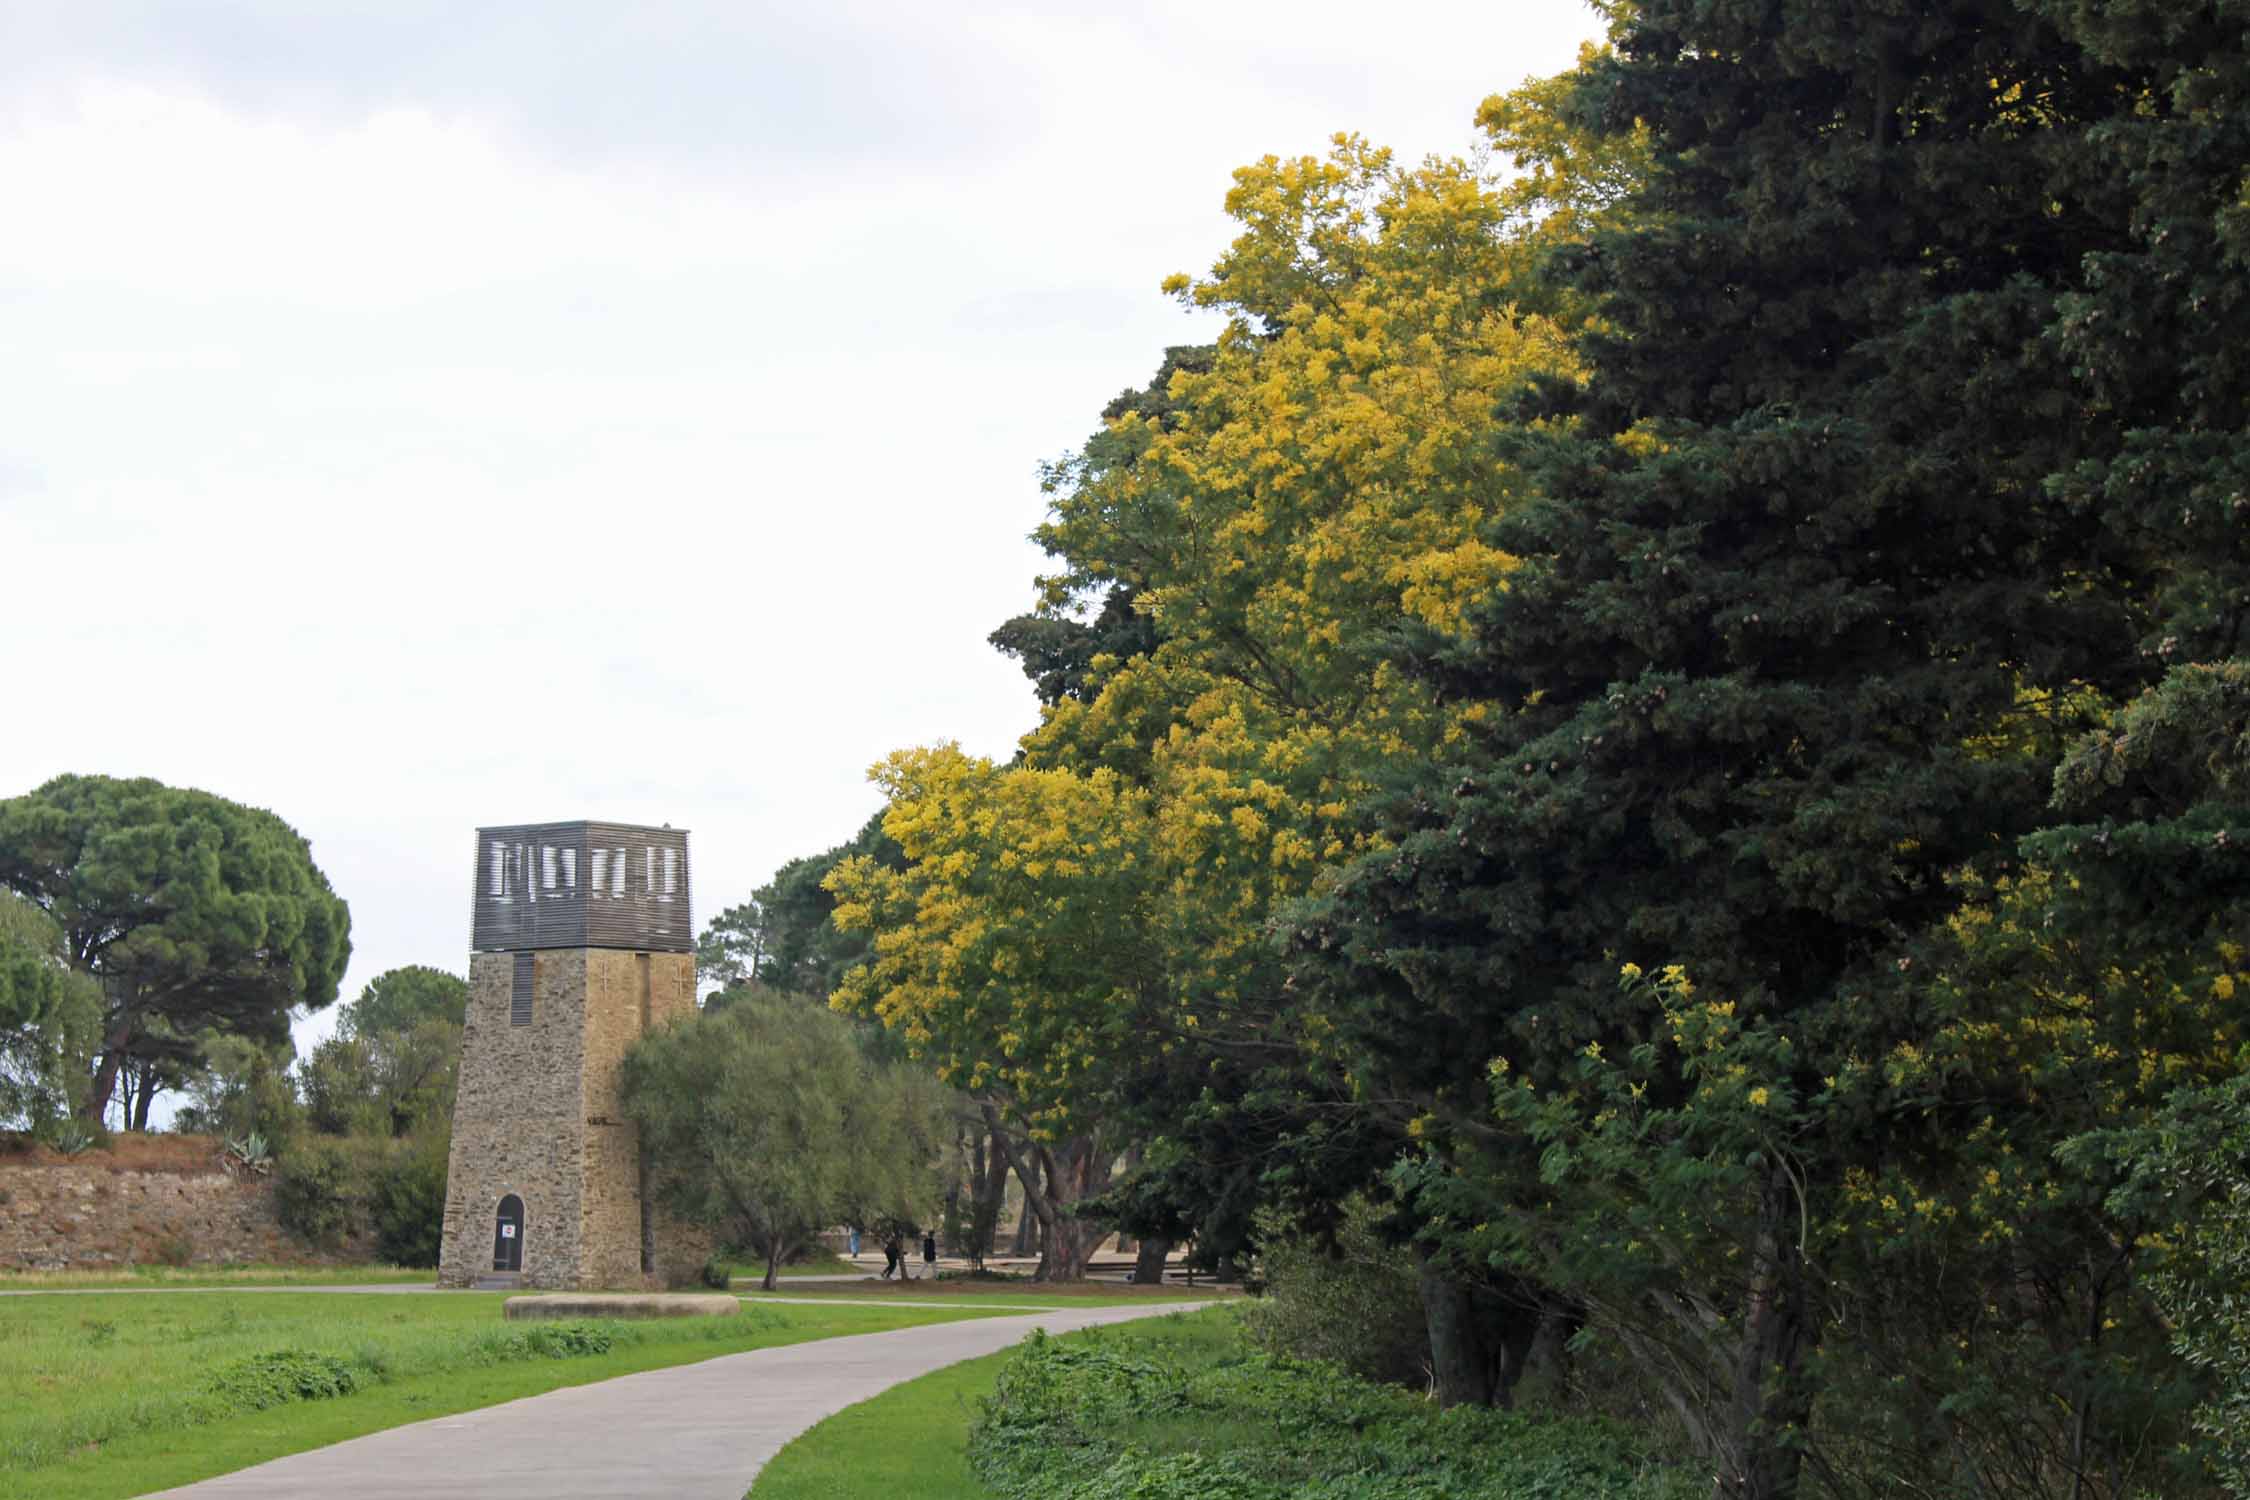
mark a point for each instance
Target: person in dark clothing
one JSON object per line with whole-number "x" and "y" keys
{"x": 929, "y": 1254}
{"x": 894, "y": 1257}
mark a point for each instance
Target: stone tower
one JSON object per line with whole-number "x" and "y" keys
{"x": 582, "y": 941}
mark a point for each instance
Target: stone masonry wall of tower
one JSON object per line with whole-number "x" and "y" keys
{"x": 626, "y": 994}
{"x": 537, "y": 1115}
{"x": 516, "y": 1120}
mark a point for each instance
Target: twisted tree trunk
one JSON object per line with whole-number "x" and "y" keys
{"x": 1054, "y": 1178}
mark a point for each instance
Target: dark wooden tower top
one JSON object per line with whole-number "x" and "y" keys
{"x": 582, "y": 885}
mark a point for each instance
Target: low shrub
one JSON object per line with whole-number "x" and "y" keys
{"x": 1356, "y": 1302}
{"x": 328, "y": 1189}
{"x": 282, "y": 1375}
{"x": 1117, "y": 1418}
{"x": 406, "y": 1203}
{"x": 549, "y": 1341}
{"x": 321, "y": 1189}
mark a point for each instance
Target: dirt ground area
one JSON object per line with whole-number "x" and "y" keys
{"x": 127, "y": 1151}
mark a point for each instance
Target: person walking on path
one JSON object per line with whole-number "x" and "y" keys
{"x": 894, "y": 1257}
{"x": 929, "y": 1254}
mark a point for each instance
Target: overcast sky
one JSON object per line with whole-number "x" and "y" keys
{"x": 421, "y": 415}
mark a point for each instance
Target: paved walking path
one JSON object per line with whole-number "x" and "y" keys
{"x": 691, "y": 1432}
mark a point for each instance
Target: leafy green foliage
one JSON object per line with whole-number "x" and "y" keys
{"x": 49, "y": 1015}
{"x": 196, "y": 913}
{"x": 766, "y": 1123}
{"x": 392, "y": 1066}
{"x": 2148, "y": 328}
{"x": 551, "y": 1341}
{"x": 1799, "y": 638}
{"x": 406, "y": 1201}
{"x": 383, "y": 1083}
{"x": 1102, "y": 1419}
{"x": 1058, "y": 653}
{"x": 1354, "y": 1302}
{"x": 2159, "y": 802}
{"x": 732, "y": 947}
{"x": 785, "y": 940}
{"x": 243, "y": 1089}
{"x": 329, "y": 1189}
{"x": 280, "y": 1376}
{"x": 2183, "y": 1172}
{"x": 1741, "y": 604}
{"x": 321, "y": 1187}
{"x": 399, "y": 1000}
{"x": 1082, "y": 937}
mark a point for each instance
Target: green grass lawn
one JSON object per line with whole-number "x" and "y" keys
{"x": 1183, "y": 1405}
{"x": 202, "y": 1276}
{"x": 110, "y": 1395}
{"x": 820, "y": 1263}
{"x": 912, "y": 1442}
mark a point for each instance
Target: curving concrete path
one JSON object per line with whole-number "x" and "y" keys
{"x": 690, "y": 1432}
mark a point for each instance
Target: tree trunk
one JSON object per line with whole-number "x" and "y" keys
{"x": 973, "y": 1234}
{"x": 1079, "y": 1171}
{"x": 147, "y": 1094}
{"x": 1148, "y": 1262}
{"x": 1042, "y": 1206}
{"x": 774, "y": 1249}
{"x": 1021, "y": 1246}
{"x": 1771, "y": 1396}
{"x": 1559, "y": 1322}
{"x": 1463, "y": 1371}
{"x": 992, "y": 1193}
{"x": 104, "y": 1084}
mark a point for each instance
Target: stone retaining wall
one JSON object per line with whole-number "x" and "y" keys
{"x": 76, "y": 1217}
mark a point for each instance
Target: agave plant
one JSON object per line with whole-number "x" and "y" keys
{"x": 69, "y": 1136}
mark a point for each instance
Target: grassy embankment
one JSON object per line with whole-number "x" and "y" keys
{"x": 1181, "y": 1407}
{"x": 181, "y": 1278}
{"x": 115, "y": 1395}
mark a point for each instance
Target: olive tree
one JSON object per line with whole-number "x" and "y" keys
{"x": 766, "y": 1123}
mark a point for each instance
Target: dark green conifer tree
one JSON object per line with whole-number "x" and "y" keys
{"x": 1772, "y": 676}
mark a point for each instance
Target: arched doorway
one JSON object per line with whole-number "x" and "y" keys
{"x": 507, "y": 1235}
